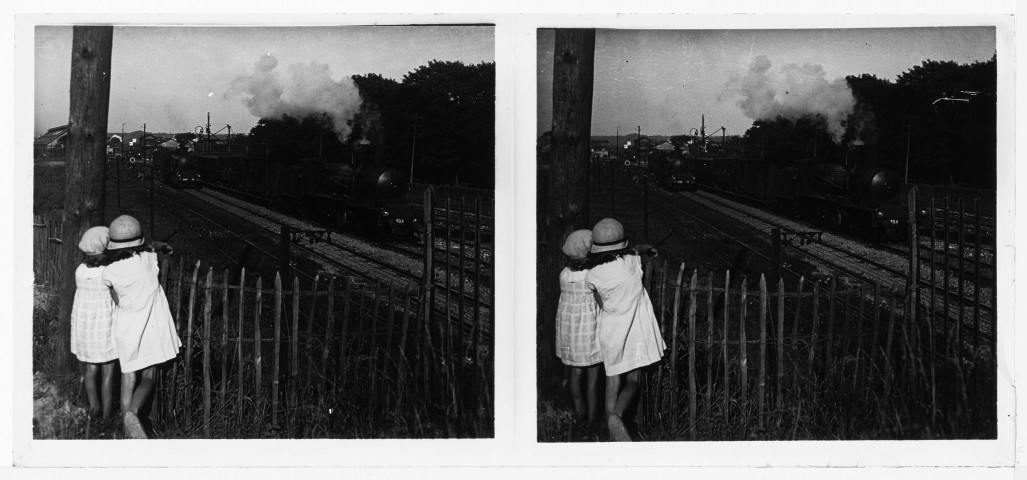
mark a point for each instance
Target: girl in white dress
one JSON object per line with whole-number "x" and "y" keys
{"x": 144, "y": 331}
{"x": 92, "y": 340}
{"x": 576, "y": 314}
{"x": 628, "y": 333}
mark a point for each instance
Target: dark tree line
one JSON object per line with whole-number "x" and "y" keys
{"x": 784, "y": 140}
{"x": 449, "y": 105}
{"x": 943, "y": 113}
{"x": 290, "y": 138}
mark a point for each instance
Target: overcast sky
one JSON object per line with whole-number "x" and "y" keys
{"x": 664, "y": 80}
{"x": 170, "y": 77}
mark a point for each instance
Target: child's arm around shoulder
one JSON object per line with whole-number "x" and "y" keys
{"x": 646, "y": 250}
{"x": 110, "y": 287}
{"x": 161, "y": 247}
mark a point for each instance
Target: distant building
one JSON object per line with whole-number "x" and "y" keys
{"x": 51, "y": 144}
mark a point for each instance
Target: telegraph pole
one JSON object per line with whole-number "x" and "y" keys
{"x": 615, "y": 149}
{"x": 909, "y": 136}
{"x": 573, "y": 73}
{"x": 86, "y": 164}
{"x": 151, "y": 179}
{"x": 118, "y": 167}
{"x": 638, "y": 155}
{"x": 413, "y": 147}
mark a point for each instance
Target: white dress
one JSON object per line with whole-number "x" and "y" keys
{"x": 629, "y": 336}
{"x": 92, "y": 339}
{"x": 143, "y": 328}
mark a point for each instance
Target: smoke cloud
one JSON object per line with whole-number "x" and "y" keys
{"x": 301, "y": 90}
{"x": 793, "y": 91}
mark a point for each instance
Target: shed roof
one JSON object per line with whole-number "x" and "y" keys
{"x": 51, "y": 135}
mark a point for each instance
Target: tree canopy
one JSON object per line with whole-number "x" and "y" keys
{"x": 449, "y": 105}
{"x": 943, "y": 113}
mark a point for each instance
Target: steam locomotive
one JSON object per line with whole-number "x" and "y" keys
{"x": 673, "y": 174}
{"x": 179, "y": 172}
{"x": 862, "y": 199}
{"x": 371, "y": 199}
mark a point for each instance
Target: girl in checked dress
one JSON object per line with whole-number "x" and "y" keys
{"x": 576, "y": 327}
{"x": 92, "y": 340}
{"x": 628, "y": 333}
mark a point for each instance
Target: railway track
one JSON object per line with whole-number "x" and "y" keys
{"x": 853, "y": 258}
{"x": 359, "y": 258}
{"x": 370, "y": 250}
{"x": 241, "y": 238}
{"x": 349, "y": 257}
{"x": 855, "y": 261}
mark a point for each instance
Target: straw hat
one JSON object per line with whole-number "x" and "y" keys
{"x": 125, "y": 233}
{"x": 607, "y": 235}
{"x": 577, "y": 244}
{"x": 94, "y": 241}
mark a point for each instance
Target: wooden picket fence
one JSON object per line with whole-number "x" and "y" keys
{"x": 336, "y": 357}
{"x": 46, "y": 247}
{"x": 748, "y": 360}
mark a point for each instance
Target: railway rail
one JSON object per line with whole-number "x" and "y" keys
{"x": 365, "y": 261}
{"x": 842, "y": 254}
{"x": 348, "y": 257}
{"x": 369, "y": 250}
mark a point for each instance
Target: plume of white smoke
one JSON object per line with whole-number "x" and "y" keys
{"x": 302, "y": 90}
{"x": 792, "y": 92}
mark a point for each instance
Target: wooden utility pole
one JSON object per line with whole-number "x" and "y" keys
{"x": 573, "y": 59}
{"x": 413, "y": 146}
{"x": 613, "y": 207}
{"x": 86, "y": 164}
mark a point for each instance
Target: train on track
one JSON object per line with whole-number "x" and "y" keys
{"x": 370, "y": 199}
{"x": 860, "y": 199}
{"x": 673, "y": 174}
{"x": 179, "y": 172}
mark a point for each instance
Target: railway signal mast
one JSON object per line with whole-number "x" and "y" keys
{"x": 205, "y": 130}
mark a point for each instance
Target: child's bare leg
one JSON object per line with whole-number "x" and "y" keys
{"x": 628, "y": 393}
{"x": 128, "y": 386}
{"x": 130, "y": 404}
{"x": 614, "y": 424}
{"x": 107, "y": 388}
{"x": 575, "y": 379}
{"x": 143, "y": 390}
{"x": 592, "y": 391}
{"x": 90, "y": 380}
{"x": 612, "y": 389}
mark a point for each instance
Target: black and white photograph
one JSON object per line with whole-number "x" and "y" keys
{"x": 263, "y": 232}
{"x": 500, "y": 240}
{"x": 774, "y": 234}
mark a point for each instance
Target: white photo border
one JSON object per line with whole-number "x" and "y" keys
{"x": 515, "y": 380}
